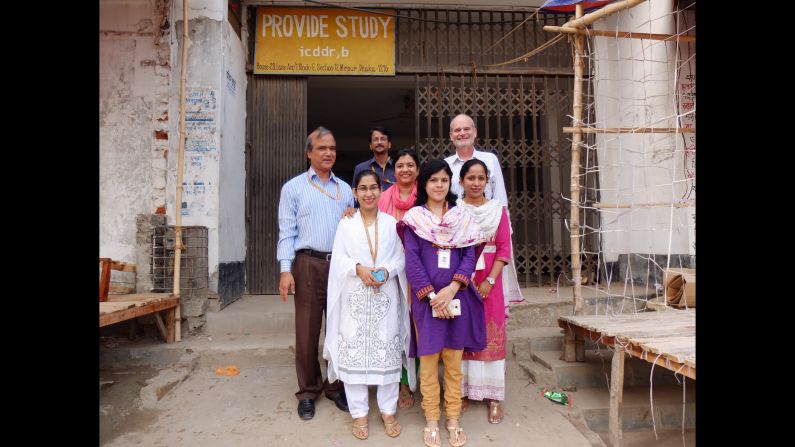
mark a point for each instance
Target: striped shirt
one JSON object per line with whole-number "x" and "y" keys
{"x": 307, "y": 217}
{"x": 382, "y": 174}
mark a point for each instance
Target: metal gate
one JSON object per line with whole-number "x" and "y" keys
{"x": 519, "y": 118}
{"x": 275, "y": 142}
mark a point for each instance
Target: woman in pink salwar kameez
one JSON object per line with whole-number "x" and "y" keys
{"x": 484, "y": 371}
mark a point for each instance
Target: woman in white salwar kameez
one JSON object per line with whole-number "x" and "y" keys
{"x": 367, "y": 333}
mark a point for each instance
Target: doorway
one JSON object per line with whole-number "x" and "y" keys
{"x": 349, "y": 106}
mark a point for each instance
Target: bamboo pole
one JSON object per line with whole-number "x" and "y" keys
{"x": 643, "y": 205}
{"x": 576, "y": 130}
{"x": 183, "y": 75}
{"x": 616, "y": 396}
{"x": 576, "y": 140}
{"x": 587, "y": 19}
{"x": 620, "y": 34}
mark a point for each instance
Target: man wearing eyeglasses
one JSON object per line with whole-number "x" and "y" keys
{"x": 381, "y": 164}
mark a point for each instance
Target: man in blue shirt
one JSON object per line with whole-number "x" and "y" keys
{"x": 310, "y": 208}
{"x": 381, "y": 164}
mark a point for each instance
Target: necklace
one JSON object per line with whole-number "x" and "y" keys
{"x": 482, "y": 201}
{"x": 444, "y": 208}
{"x": 323, "y": 190}
{"x": 373, "y": 253}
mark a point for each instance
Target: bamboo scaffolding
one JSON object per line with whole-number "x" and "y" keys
{"x": 576, "y": 130}
{"x": 620, "y": 34}
{"x": 183, "y": 74}
{"x": 587, "y": 19}
{"x": 576, "y": 141}
{"x": 642, "y": 205}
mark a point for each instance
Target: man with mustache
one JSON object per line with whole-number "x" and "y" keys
{"x": 463, "y": 134}
{"x": 381, "y": 164}
{"x": 310, "y": 207}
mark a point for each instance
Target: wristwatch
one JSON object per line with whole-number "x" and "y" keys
{"x": 431, "y": 296}
{"x": 490, "y": 280}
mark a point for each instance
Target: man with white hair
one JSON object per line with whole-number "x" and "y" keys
{"x": 463, "y": 134}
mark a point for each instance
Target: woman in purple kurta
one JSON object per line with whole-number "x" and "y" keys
{"x": 466, "y": 331}
{"x": 439, "y": 241}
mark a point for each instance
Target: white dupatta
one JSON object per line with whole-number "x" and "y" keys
{"x": 350, "y": 248}
{"x": 488, "y": 217}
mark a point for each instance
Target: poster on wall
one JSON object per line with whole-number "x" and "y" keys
{"x": 201, "y": 150}
{"x": 323, "y": 41}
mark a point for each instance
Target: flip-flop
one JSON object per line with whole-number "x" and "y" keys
{"x": 431, "y": 437}
{"x": 391, "y": 428}
{"x": 360, "y": 431}
{"x": 457, "y": 436}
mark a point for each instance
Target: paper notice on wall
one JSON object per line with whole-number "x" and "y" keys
{"x": 201, "y": 152}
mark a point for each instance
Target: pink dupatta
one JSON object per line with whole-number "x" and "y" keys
{"x": 391, "y": 203}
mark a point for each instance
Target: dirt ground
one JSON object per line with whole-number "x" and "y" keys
{"x": 258, "y": 407}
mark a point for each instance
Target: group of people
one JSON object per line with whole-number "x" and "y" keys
{"x": 420, "y": 273}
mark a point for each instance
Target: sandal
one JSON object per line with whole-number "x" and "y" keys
{"x": 431, "y": 436}
{"x": 360, "y": 431}
{"x": 457, "y": 436}
{"x": 391, "y": 428}
{"x": 495, "y": 412}
{"x": 406, "y": 399}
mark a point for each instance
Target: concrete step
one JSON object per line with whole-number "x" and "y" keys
{"x": 538, "y": 311}
{"x": 636, "y": 414}
{"x": 252, "y": 350}
{"x": 594, "y": 372}
{"x": 543, "y": 306}
{"x": 253, "y": 314}
{"x": 521, "y": 342}
{"x": 539, "y": 374}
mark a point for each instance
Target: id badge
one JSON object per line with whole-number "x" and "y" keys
{"x": 481, "y": 265}
{"x": 444, "y": 258}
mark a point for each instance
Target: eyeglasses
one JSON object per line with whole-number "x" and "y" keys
{"x": 371, "y": 188}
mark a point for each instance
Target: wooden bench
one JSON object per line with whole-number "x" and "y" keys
{"x": 122, "y": 305}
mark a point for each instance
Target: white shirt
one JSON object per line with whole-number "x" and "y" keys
{"x": 495, "y": 188}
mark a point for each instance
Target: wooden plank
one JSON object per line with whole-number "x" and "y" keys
{"x": 171, "y": 325}
{"x": 678, "y": 343}
{"x": 601, "y": 319}
{"x": 569, "y": 354}
{"x": 107, "y": 308}
{"x": 137, "y": 311}
{"x": 616, "y": 396}
{"x": 104, "y": 281}
{"x": 139, "y": 297}
{"x": 579, "y": 347}
{"x": 122, "y": 266}
{"x": 160, "y": 326}
{"x": 116, "y": 289}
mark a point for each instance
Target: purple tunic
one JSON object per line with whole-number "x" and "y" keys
{"x": 431, "y": 335}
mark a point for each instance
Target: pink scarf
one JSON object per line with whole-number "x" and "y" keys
{"x": 391, "y": 203}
